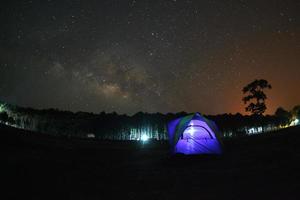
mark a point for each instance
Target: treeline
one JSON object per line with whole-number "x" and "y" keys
{"x": 113, "y": 126}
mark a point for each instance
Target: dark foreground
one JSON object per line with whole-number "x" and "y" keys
{"x": 37, "y": 166}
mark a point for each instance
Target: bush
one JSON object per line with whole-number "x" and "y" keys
{"x": 4, "y": 116}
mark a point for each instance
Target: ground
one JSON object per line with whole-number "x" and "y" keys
{"x": 36, "y": 166}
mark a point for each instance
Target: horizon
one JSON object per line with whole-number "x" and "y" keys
{"x": 132, "y": 114}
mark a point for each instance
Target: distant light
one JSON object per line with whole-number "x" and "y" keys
{"x": 252, "y": 131}
{"x": 91, "y": 135}
{"x": 295, "y": 122}
{"x": 259, "y": 129}
{"x": 144, "y": 138}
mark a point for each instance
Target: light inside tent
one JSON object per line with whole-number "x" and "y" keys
{"x": 193, "y": 135}
{"x": 192, "y": 131}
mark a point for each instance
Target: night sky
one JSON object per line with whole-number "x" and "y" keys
{"x": 151, "y": 56}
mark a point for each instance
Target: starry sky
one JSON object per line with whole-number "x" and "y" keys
{"x": 151, "y": 56}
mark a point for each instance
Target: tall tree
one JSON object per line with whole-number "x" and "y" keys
{"x": 255, "y": 96}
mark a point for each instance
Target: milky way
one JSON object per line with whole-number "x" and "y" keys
{"x": 151, "y": 56}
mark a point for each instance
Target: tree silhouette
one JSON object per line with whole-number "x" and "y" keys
{"x": 256, "y": 96}
{"x": 283, "y": 116}
{"x": 296, "y": 111}
{"x": 3, "y": 116}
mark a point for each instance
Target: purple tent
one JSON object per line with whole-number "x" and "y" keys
{"x": 194, "y": 134}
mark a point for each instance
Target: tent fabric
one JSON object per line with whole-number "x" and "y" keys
{"x": 194, "y": 134}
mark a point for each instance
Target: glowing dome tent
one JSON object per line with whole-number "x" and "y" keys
{"x": 194, "y": 134}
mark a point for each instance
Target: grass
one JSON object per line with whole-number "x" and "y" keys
{"x": 36, "y": 166}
